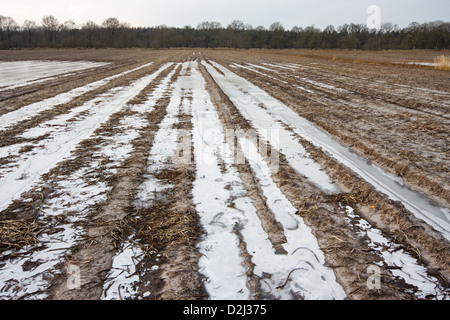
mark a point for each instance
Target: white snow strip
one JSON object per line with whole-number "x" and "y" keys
{"x": 223, "y": 205}
{"x": 409, "y": 269}
{"x": 221, "y": 261}
{"x": 78, "y": 195}
{"x": 392, "y": 186}
{"x": 304, "y": 262}
{"x": 123, "y": 279}
{"x": 22, "y": 73}
{"x": 62, "y": 142}
{"x": 322, "y": 85}
{"x": 261, "y": 67}
{"x": 428, "y": 64}
{"x": 164, "y": 144}
{"x": 259, "y": 72}
{"x": 304, "y": 89}
{"x": 280, "y": 66}
{"x": 29, "y": 111}
{"x": 247, "y": 98}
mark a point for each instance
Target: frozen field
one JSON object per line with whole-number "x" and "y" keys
{"x": 223, "y": 175}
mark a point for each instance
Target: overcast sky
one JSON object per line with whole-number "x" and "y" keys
{"x": 179, "y": 13}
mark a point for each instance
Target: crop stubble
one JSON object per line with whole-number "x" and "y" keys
{"x": 404, "y": 131}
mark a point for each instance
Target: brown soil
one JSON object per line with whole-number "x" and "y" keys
{"x": 397, "y": 116}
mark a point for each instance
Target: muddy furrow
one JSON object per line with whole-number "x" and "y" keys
{"x": 63, "y": 136}
{"x": 64, "y": 199}
{"x": 345, "y": 250}
{"x": 28, "y": 117}
{"x": 432, "y": 102}
{"x": 161, "y": 260}
{"x": 43, "y": 91}
{"x": 334, "y": 75}
{"x": 347, "y": 122}
{"x": 279, "y": 268}
{"x": 325, "y": 87}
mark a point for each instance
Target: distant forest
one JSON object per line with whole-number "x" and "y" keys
{"x": 51, "y": 33}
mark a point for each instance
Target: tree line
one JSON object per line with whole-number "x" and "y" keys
{"x": 51, "y": 33}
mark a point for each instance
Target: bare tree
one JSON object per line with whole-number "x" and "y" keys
{"x": 277, "y": 32}
{"x": 51, "y": 26}
{"x": 237, "y": 35}
{"x": 208, "y": 32}
{"x": 7, "y": 27}
{"x": 90, "y": 27}
{"x": 237, "y": 25}
{"x": 2, "y": 36}
{"x": 30, "y": 28}
{"x": 111, "y": 25}
{"x": 69, "y": 29}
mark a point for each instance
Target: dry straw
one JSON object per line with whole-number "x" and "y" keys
{"x": 442, "y": 62}
{"x": 18, "y": 233}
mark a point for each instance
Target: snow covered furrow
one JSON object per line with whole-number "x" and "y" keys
{"x": 248, "y": 99}
{"x": 163, "y": 148}
{"x": 77, "y": 194}
{"x": 122, "y": 280}
{"x": 65, "y": 138}
{"x": 227, "y": 213}
{"x": 300, "y": 273}
{"x": 29, "y": 111}
{"x": 221, "y": 261}
{"x": 402, "y": 264}
{"x": 22, "y": 73}
{"x": 252, "y": 68}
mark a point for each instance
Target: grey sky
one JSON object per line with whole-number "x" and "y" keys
{"x": 179, "y": 13}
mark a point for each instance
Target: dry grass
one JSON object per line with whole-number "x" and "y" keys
{"x": 160, "y": 227}
{"x": 16, "y": 234}
{"x": 442, "y": 62}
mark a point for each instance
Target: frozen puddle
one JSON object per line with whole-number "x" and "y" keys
{"x": 222, "y": 203}
{"x": 248, "y": 98}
